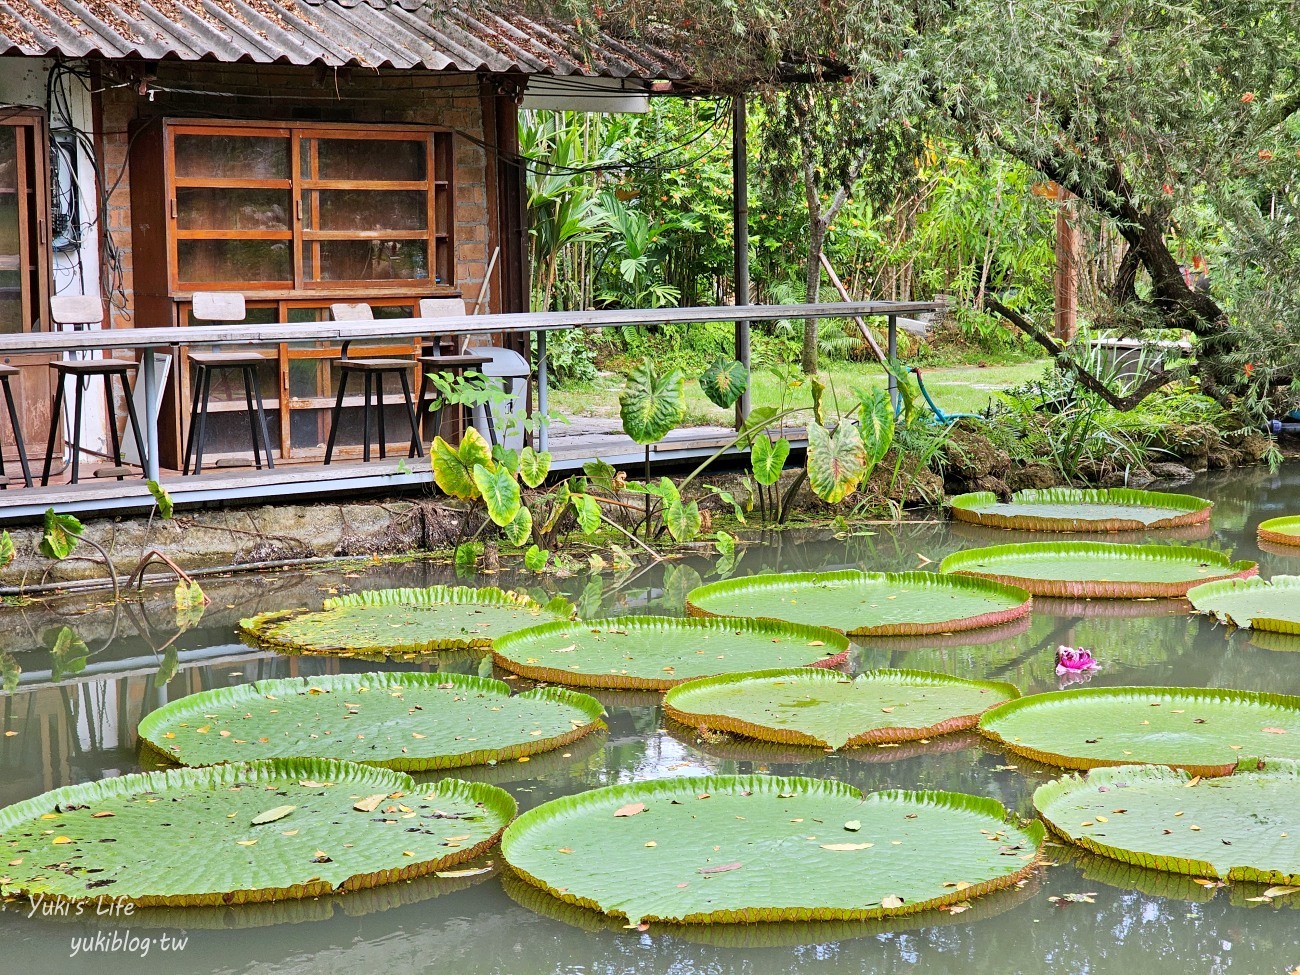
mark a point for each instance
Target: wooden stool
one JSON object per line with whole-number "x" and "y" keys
{"x": 7, "y": 373}
{"x": 372, "y": 373}
{"x": 203, "y": 365}
{"x": 86, "y": 369}
{"x": 456, "y": 365}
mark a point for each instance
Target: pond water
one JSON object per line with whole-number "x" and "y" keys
{"x": 75, "y": 717}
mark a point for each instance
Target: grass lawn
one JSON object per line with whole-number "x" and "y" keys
{"x": 957, "y": 389}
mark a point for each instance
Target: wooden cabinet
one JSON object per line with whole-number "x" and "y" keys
{"x": 293, "y": 216}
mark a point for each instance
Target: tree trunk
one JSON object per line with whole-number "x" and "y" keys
{"x": 812, "y": 283}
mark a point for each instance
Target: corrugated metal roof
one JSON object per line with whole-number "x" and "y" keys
{"x": 368, "y": 33}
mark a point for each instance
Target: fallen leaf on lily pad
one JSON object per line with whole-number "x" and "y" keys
{"x": 846, "y": 847}
{"x": 891, "y": 901}
{"x": 467, "y": 872}
{"x": 724, "y": 868}
{"x": 1274, "y": 731}
{"x": 853, "y": 825}
{"x": 631, "y": 809}
{"x": 369, "y": 804}
{"x": 272, "y": 815}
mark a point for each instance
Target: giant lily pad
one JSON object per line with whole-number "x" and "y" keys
{"x": 1280, "y": 531}
{"x": 658, "y": 652}
{"x": 1245, "y": 827}
{"x": 817, "y": 707}
{"x": 1097, "y": 570}
{"x": 864, "y": 603}
{"x": 412, "y": 722}
{"x": 1273, "y": 605}
{"x": 1204, "y": 731}
{"x": 1075, "y": 510}
{"x": 400, "y": 622}
{"x": 764, "y": 848}
{"x": 235, "y": 834}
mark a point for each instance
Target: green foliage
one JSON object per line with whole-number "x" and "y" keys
{"x": 535, "y": 558}
{"x": 683, "y": 520}
{"x": 652, "y": 403}
{"x": 587, "y": 509}
{"x": 724, "y": 382}
{"x": 837, "y": 461}
{"x": 60, "y": 535}
{"x": 68, "y": 655}
{"x": 163, "y": 499}
{"x": 453, "y": 467}
{"x": 500, "y": 492}
{"x": 533, "y": 466}
{"x": 7, "y": 552}
{"x": 520, "y": 529}
{"x": 768, "y": 459}
{"x": 467, "y": 557}
{"x": 877, "y": 416}
{"x": 188, "y": 595}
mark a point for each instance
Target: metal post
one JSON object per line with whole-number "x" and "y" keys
{"x": 740, "y": 237}
{"x": 543, "y": 395}
{"x": 150, "y": 458}
{"x": 892, "y": 351}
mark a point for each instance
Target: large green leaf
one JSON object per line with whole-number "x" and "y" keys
{"x": 412, "y": 722}
{"x": 398, "y": 622}
{"x": 534, "y": 466}
{"x": 453, "y": 467}
{"x": 187, "y": 837}
{"x": 7, "y": 552}
{"x": 1204, "y": 731}
{"x": 768, "y": 458}
{"x": 60, "y": 535}
{"x": 1272, "y": 605}
{"x": 1234, "y": 828}
{"x": 877, "y": 423}
{"x": 865, "y": 603}
{"x": 836, "y": 461}
{"x": 1075, "y": 510}
{"x": 11, "y": 672}
{"x": 587, "y": 509}
{"x": 652, "y": 404}
{"x": 520, "y": 530}
{"x": 1280, "y": 531}
{"x": 766, "y": 848}
{"x": 724, "y": 382}
{"x": 162, "y": 497}
{"x": 658, "y": 652}
{"x": 820, "y": 707}
{"x": 500, "y": 493}
{"x": 1098, "y": 570}
{"x": 683, "y": 520}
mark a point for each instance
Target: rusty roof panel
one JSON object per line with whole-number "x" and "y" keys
{"x": 405, "y": 34}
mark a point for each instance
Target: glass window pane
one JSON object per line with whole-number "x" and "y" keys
{"x": 387, "y": 159}
{"x": 373, "y": 210}
{"x": 373, "y": 260}
{"x": 11, "y": 278}
{"x": 200, "y": 208}
{"x": 235, "y": 260}
{"x": 232, "y": 157}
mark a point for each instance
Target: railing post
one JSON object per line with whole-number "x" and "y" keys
{"x": 150, "y": 460}
{"x": 740, "y": 238}
{"x": 892, "y": 351}
{"x": 543, "y": 394}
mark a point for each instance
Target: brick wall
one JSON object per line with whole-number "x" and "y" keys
{"x": 304, "y": 94}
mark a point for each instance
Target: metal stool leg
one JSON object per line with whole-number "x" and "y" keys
{"x": 365, "y": 420}
{"x": 417, "y": 450}
{"x": 76, "y": 431}
{"x": 55, "y": 415}
{"x": 111, "y": 413}
{"x": 337, "y": 417}
{"x": 261, "y": 418}
{"x": 136, "y": 430}
{"x": 379, "y": 412}
{"x": 204, "y": 395}
{"x": 18, "y": 437}
{"x": 195, "y": 396}
{"x": 246, "y": 372}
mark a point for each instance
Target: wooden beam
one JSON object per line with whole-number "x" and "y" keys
{"x": 740, "y": 239}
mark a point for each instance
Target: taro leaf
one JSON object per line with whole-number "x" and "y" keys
{"x": 735, "y": 856}
{"x": 727, "y": 498}
{"x": 68, "y": 656}
{"x": 412, "y": 722}
{"x": 725, "y": 544}
{"x": 228, "y": 860}
{"x": 836, "y": 461}
{"x": 188, "y": 595}
{"x": 818, "y": 393}
{"x": 163, "y": 499}
{"x": 561, "y": 606}
{"x": 535, "y": 558}
{"x": 601, "y": 473}
{"x": 1273, "y": 605}
{"x": 521, "y": 529}
{"x": 1098, "y": 570}
{"x": 658, "y": 652}
{"x": 587, "y": 509}
{"x": 768, "y": 458}
{"x": 450, "y": 472}
{"x": 506, "y": 457}
{"x": 398, "y": 622}
{"x": 467, "y": 556}
{"x": 1205, "y": 731}
{"x": 679, "y": 580}
{"x": 1240, "y": 819}
{"x": 865, "y": 603}
{"x": 534, "y": 466}
{"x": 10, "y": 671}
{"x": 500, "y": 493}
{"x": 724, "y": 382}
{"x": 877, "y": 423}
{"x": 1073, "y": 510}
{"x": 819, "y": 707}
{"x": 652, "y": 404}
{"x": 683, "y": 520}
{"x": 758, "y": 420}
{"x": 7, "y": 552}
{"x": 61, "y": 534}
{"x": 1280, "y": 531}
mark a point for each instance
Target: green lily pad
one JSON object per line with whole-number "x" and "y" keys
{"x": 1204, "y": 731}
{"x": 1075, "y": 510}
{"x": 400, "y": 623}
{"x": 1280, "y": 531}
{"x": 1098, "y": 570}
{"x": 187, "y": 837}
{"x": 1273, "y": 605}
{"x": 744, "y": 848}
{"x": 864, "y": 603}
{"x": 816, "y": 707}
{"x": 1244, "y": 827}
{"x": 412, "y": 722}
{"x": 659, "y": 652}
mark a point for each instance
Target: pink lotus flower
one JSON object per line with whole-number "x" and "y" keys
{"x": 1073, "y": 661}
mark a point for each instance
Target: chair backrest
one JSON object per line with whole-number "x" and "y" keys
{"x": 442, "y": 307}
{"x": 342, "y": 311}
{"x": 218, "y": 306}
{"x": 76, "y": 310}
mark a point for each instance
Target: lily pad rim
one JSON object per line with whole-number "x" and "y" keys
{"x": 1221, "y": 587}
{"x": 1192, "y": 510}
{"x": 1275, "y": 530}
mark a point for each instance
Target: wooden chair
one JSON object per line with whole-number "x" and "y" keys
{"x": 372, "y": 372}
{"x": 224, "y": 306}
{"x": 84, "y": 312}
{"x": 446, "y": 357}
